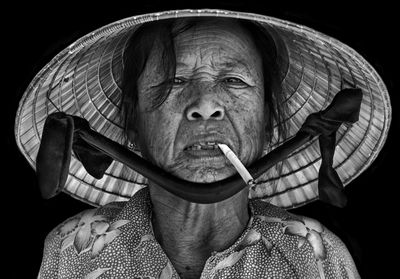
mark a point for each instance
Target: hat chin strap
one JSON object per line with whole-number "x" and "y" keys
{"x": 63, "y": 133}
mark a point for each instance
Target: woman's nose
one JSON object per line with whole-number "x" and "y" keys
{"x": 206, "y": 108}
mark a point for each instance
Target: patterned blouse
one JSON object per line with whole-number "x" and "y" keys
{"x": 117, "y": 241}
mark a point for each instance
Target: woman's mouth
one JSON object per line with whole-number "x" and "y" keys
{"x": 209, "y": 145}
{"x": 204, "y": 149}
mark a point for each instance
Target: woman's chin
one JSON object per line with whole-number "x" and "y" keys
{"x": 206, "y": 174}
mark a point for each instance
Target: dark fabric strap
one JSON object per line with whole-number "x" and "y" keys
{"x": 54, "y": 155}
{"x": 60, "y": 136}
{"x": 345, "y": 108}
{"x": 63, "y": 132}
{"x": 94, "y": 160}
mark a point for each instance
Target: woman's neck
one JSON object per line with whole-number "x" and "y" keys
{"x": 190, "y": 232}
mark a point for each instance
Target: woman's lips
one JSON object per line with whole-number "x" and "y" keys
{"x": 202, "y": 146}
{"x": 204, "y": 149}
{"x": 205, "y": 145}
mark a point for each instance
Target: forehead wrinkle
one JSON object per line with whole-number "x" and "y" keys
{"x": 207, "y": 45}
{"x": 232, "y": 64}
{"x": 212, "y": 47}
{"x": 220, "y": 64}
{"x": 202, "y": 39}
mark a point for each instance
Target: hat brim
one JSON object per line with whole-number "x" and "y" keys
{"x": 84, "y": 80}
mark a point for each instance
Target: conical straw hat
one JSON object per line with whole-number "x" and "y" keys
{"x": 84, "y": 80}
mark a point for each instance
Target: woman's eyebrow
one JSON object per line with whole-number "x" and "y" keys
{"x": 223, "y": 65}
{"x": 234, "y": 64}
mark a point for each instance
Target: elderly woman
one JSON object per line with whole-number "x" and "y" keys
{"x": 188, "y": 85}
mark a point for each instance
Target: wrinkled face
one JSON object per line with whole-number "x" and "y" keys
{"x": 217, "y": 97}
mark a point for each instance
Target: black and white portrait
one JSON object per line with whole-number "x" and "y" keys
{"x": 230, "y": 140}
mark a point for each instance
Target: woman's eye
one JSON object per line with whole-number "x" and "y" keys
{"x": 178, "y": 81}
{"x": 234, "y": 81}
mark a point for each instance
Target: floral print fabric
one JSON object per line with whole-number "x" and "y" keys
{"x": 117, "y": 241}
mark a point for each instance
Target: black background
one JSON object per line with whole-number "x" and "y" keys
{"x": 34, "y": 34}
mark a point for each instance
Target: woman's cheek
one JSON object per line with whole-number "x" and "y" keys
{"x": 160, "y": 137}
{"x": 251, "y": 125}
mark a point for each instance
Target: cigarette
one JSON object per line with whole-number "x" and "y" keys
{"x": 244, "y": 173}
